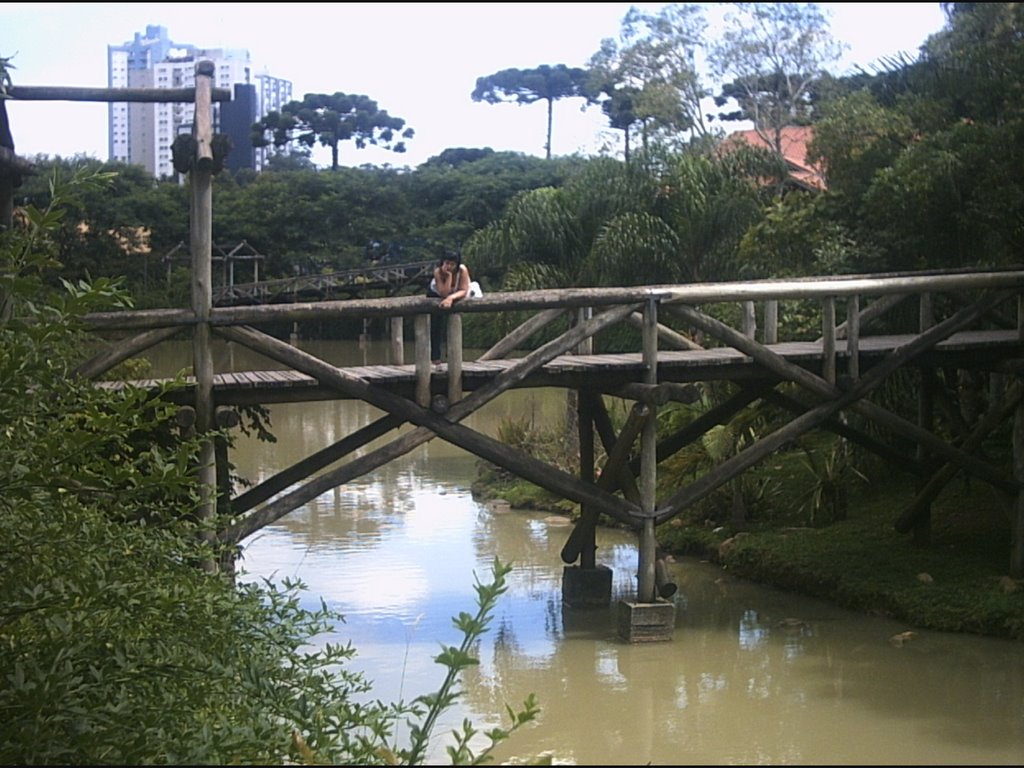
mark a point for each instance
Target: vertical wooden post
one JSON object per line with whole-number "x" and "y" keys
{"x": 584, "y": 417}
{"x": 585, "y": 426}
{"x": 771, "y": 321}
{"x": 422, "y": 331}
{"x": 454, "y": 358}
{"x": 853, "y": 337}
{"x": 925, "y": 417}
{"x": 398, "y": 340}
{"x": 225, "y": 418}
{"x": 585, "y": 347}
{"x": 749, "y": 321}
{"x": 201, "y": 239}
{"x": 6, "y": 200}
{"x": 828, "y": 339}
{"x": 1017, "y": 541}
{"x": 1017, "y": 535}
{"x": 646, "y": 581}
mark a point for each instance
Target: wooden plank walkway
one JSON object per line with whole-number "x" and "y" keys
{"x": 986, "y": 348}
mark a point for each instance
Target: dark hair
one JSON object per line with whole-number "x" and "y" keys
{"x": 455, "y": 256}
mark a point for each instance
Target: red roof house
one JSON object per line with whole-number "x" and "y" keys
{"x": 794, "y": 149}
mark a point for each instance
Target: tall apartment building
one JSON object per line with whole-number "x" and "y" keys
{"x": 142, "y": 133}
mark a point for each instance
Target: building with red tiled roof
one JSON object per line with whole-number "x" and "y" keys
{"x": 794, "y": 142}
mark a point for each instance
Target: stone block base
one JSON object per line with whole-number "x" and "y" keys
{"x": 646, "y": 622}
{"x": 586, "y": 587}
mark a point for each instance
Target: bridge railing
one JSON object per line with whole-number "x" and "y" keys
{"x": 690, "y": 315}
{"x": 389, "y": 277}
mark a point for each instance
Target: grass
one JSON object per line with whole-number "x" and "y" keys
{"x": 958, "y": 582}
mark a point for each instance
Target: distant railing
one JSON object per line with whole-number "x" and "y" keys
{"x": 390, "y": 278}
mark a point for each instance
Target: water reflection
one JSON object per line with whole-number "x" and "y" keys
{"x": 752, "y": 675}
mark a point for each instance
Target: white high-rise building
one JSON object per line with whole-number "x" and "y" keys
{"x": 142, "y": 133}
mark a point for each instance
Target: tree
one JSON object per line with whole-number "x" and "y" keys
{"x": 526, "y": 86}
{"x": 329, "y": 119}
{"x": 767, "y": 59}
{"x": 649, "y": 75}
{"x": 679, "y": 219}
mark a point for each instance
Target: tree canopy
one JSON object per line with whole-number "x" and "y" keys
{"x": 648, "y": 76}
{"x": 768, "y": 59}
{"x": 527, "y": 86}
{"x": 329, "y": 119}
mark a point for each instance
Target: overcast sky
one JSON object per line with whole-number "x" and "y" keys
{"x": 418, "y": 61}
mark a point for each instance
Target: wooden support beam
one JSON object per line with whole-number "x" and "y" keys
{"x": 899, "y": 357}
{"x": 872, "y": 312}
{"x": 455, "y": 358}
{"x": 870, "y": 381}
{"x": 101, "y": 363}
{"x": 666, "y": 335}
{"x": 618, "y": 449}
{"x": 719, "y": 414}
{"x": 114, "y": 95}
{"x": 615, "y": 477}
{"x": 893, "y": 456}
{"x": 647, "y": 588}
{"x": 313, "y": 463}
{"x": 994, "y": 416}
{"x": 523, "y": 332}
{"x": 1017, "y": 524}
{"x": 430, "y": 424}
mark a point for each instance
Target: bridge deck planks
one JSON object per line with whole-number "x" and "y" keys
{"x": 673, "y": 365}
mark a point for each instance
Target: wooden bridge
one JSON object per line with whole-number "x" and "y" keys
{"x": 969, "y": 321}
{"x": 965, "y": 321}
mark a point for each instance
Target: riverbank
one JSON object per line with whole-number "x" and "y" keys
{"x": 959, "y": 582}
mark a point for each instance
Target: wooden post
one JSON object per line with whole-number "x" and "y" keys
{"x": 455, "y": 358}
{"x": 422, "y": 330}
{"x": 925, "y": 418}
{"x": 398, "y": 340}
{"x": 6, "y": 200}
{"x": 771, "y": 321}
{"x": 225, "y": 418}
{"x": 1017, "y": 542}
{"x": 646, "y": 584}
{"x": 585, "y": 425}
{"x": 828, "y": 339}
{"x": 853, "y": 337}
{"x": 585, "y": 347}
{"x": 1017, "y": 537}
{"x": 749, "y": 321}
{"x": 201, "y": 239}
{"x": 585, "y": 438}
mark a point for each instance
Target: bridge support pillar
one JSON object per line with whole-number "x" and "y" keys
{"x": 646, "y": 622}
{"x": 586, "y": 587}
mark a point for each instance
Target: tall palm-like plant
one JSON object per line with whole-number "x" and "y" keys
{"x": 672, "y": 218}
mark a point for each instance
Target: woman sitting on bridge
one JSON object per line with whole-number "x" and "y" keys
{"x": 451, "y": 282}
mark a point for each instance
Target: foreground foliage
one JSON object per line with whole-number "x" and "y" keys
{"x": 114, "y": 647}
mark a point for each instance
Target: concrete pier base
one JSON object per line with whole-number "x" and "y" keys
{"x": 646, "y": 622}
{"x": 586, "y": 587}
